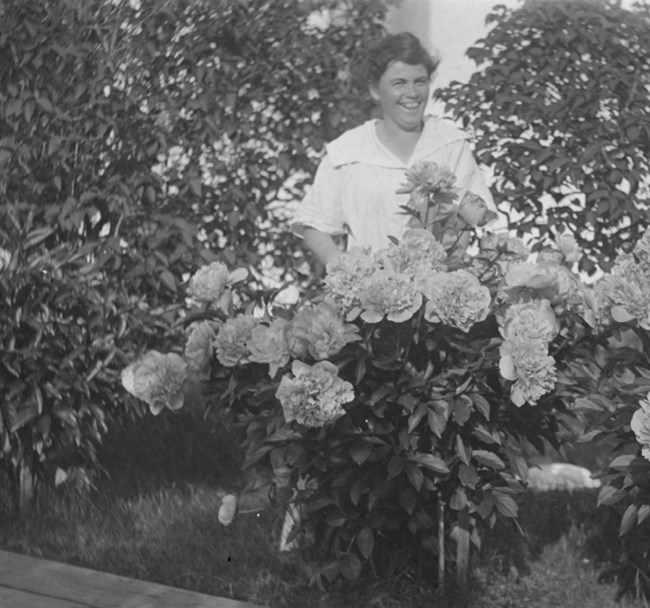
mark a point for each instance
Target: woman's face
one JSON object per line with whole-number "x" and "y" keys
{"x": 403, "y": 92}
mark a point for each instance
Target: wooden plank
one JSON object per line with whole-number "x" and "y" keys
{"x": 97, "y": 589}
{"x": 15, "y": 598}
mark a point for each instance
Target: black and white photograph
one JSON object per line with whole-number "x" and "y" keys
{"x": 325, "y": 303}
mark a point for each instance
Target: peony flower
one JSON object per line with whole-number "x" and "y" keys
{"x": 533, "y": 320}
{"x": 390, "y": 295}
{"x": 268, "y": 344}
{"x": 231, "y": 343}
{"x": 320, "y": 331}
{"x": 473, "y": 209}
{"x": 543, "y": 280}
{"x": 527, "y": 363}
{"x": 456, "y": 298}
{"x": 346, "y": 277}
{"x": 157, "y": 379}
{"x": 640, "y": 425}
{"x": 627, "y": 292}
{"x": 209, "y": 282}
{"x": 315, "y": 395}
{"x": 199, "y": 349}
{"x": 550, "y": 256}
{"x": 426, "y": 177}
{"x": 593, "y": 304}
{"x": 416, "y": 255}
{"x": 227, "y": 510}
{"x": 569, "y": 247}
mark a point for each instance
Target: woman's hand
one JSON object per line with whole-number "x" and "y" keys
{"x": 321, "y": 244}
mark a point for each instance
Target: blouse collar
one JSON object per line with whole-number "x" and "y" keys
{"x": 361, "y": 145}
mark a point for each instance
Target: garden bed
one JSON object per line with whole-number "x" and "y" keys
{"x": 153, "y": 516}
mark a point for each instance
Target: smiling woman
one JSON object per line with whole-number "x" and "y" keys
{"x": 355, "y": 191}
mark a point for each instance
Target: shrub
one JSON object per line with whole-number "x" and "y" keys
{"x": 62, "y": 335}
{"x": 608, "y": 385}
{"x": 398, "y": 399}
{"x": 560, "y": 113}
{"x": 129, "y": 156}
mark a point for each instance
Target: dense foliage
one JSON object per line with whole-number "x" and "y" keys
{"x": 561, "y": 110}
{"x": 58, "y": 384}
{"x": 608, "y": 386}
{"x": 144, "y": 139}
{"x": 404, "y": 397}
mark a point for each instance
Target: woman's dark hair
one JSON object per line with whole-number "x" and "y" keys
{"x": 404, "y": 47}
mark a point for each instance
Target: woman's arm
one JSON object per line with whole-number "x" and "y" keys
{"x": 321, "y": 244}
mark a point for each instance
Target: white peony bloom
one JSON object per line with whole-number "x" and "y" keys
{"x": 456, "y": 298}
{"x": 157, "y": 379}
{"x": 315, "y": 395}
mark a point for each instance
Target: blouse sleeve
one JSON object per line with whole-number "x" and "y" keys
{"x": 321, "y": 208}
{"x": 468, "y": 174}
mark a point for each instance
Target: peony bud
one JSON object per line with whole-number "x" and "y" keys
{"x": 228, "y": 509}
{"x": 569, "y": 247}
{"x": 473, "y": 209}
{"x": 489, "y": 241}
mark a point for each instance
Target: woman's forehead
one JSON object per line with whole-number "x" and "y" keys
{"x": 399, "y": 68}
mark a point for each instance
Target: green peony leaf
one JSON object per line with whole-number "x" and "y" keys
{"x": 505, "y": 504}
{"x": 415, "y": 475}
{"x": 488, "y": 459}
{"x": 462, "y": 409}
{"x": 644, "y": 512}
{"x": 395, "y": 466}
{"x": 621, "y": 463}
{"x": 629, "y": 519}
{"x": 366, "y": 541}
{"x": 431, "y": 462}
{"x": 609, "y": 495}
{"x": 360, "y": 451}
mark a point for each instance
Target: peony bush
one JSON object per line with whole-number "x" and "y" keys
{"x": 406, "y": 396}
{"x": 608, "y": 387}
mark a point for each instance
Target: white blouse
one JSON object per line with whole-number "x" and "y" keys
{"x": 354, "y": 190}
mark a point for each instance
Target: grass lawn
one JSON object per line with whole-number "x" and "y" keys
{"x": 154, "y": 517}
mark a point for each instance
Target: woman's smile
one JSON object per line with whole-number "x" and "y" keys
{"x": 402, "y": 92}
